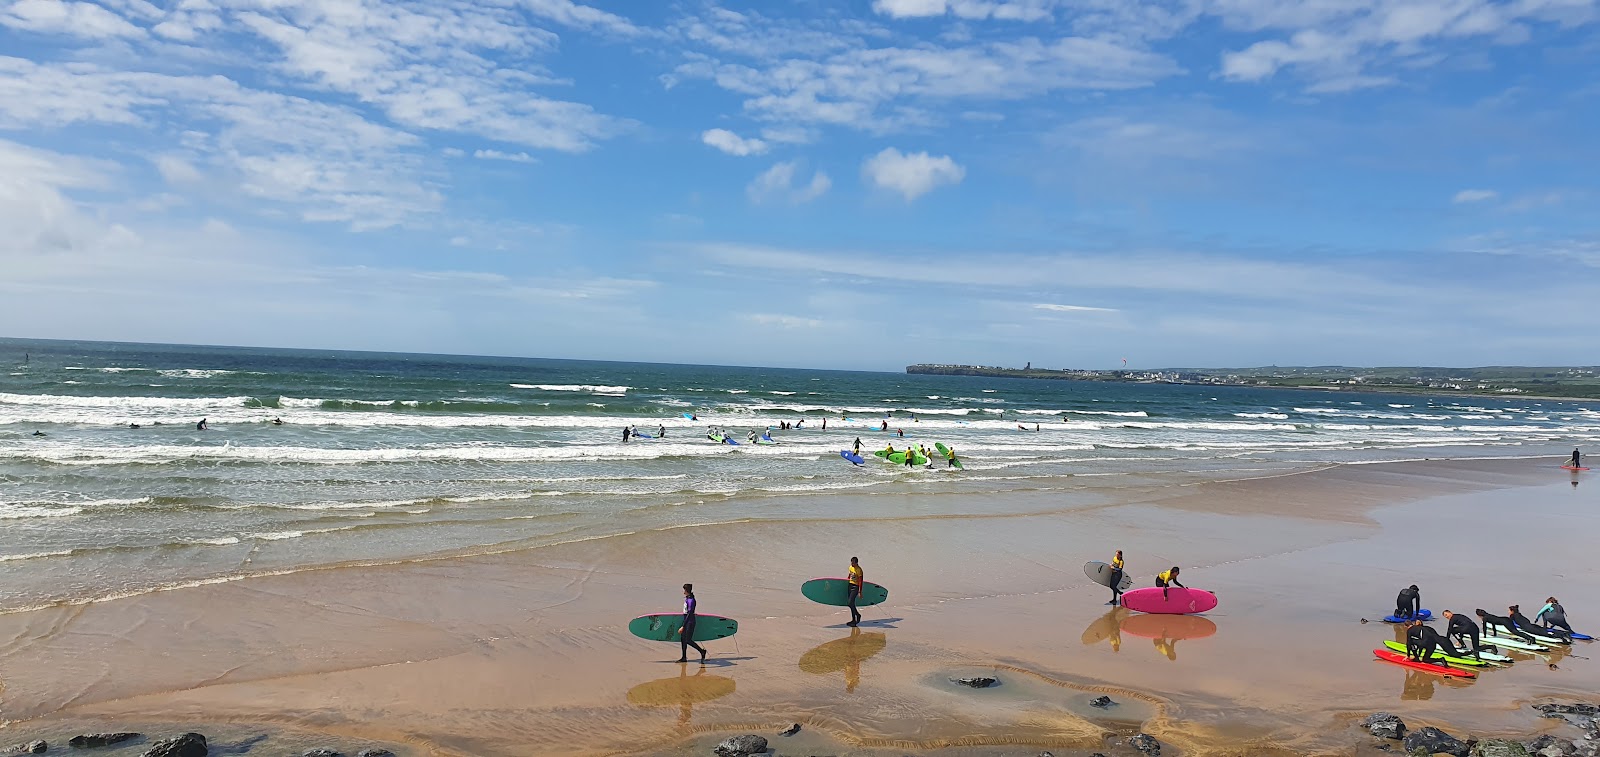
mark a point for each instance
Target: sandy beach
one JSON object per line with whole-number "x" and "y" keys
{"x": 525, "y": 652}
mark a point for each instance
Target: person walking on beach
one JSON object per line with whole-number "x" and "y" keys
{"x": 1576, "y": 458}
{"x": 1553, "y": 616}
{"x": 686, "y": 631}
{"x": 1493, "y": 624}
{"x": 1116, "y": 579}
{"x": 1462, "y": 630}
{"x": 852, "y": 590}
{"x": 1409, "y": 603}
{"x": 1166, "y": 579}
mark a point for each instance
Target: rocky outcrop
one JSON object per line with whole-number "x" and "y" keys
{"x": 187, "y": 745}
{"x": 976, "y": 682}
{"x": 1499, "y": 748}
{"x": 32, "y": 747}
{"x": 321, "y": 752}
{"x": 375, "y": 753}
{"x": 1431, "y": 740}
{"x": 790, "y": 731}
{"x": 1102, "y": 701}
{"x": 1385, "y": 726}
{"x": 1146, "y": 744}
{"x": 741, "y": 746}
{"x": 87, "y": 740}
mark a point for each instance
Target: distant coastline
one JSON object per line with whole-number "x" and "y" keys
{"x": 1559, "y": 383}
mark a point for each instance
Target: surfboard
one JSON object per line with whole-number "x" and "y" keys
{"x": 831, "y": 591}
{"x": 1175, "y": 627}
{"x": 899, "y": 458}
{"x": 1100, "y": 573}
{"x": 1423, "y": 614}
{"x": 1179, "y": 601}
{"x": 1512, "y": 642}
{"x": 730, "y": 440}
{"x": 1400, "y": 659}
{"x": 664, "y": 627}
{"x": 642, "y": 435}
{"x": 1568, "y": 467}
{"x": 851, "y": 456}
{"x": 943, "y": 450}
{"x": 690, "y": 416}
{"x": 1544, "y": 636}
{"x": 1453, "y": 660}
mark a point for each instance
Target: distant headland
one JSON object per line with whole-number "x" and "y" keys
{"x": 1555, "y": 382}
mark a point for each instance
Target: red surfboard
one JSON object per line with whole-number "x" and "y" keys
{"x": 1568, "y": 467}
{"x": 1400, "y": 659}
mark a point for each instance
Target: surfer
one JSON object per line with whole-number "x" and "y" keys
{"x": 686, "y": 631}
{"x": 661, "y": 431}
{"x": 1553, "y": 616}
{"x": 1035, "y": 427}
{"x": 1166, "y": 579}
{"x": 133, "y": 425}
{"x": 858, "y": 446}
{"x": 1422, "y": 642}
{"x": 949, "y": 457}
{"x": 627, "y": 433}
{"x": 1116, "y": 579}
{"x": 824, "y": 424}
{"x": 277, "y": 421}
{"x": 852, "y": 591}
{"x": 37, "y": 433}
{"x": 1461, "y": 630}
{"x": 911, "y": 458}
{"x": 1575, "y": 458}
{"x": 1515, "y": 613}
{"x": 1493, "y": 624}
{"x": 885, "y": 426}
{"x": 1408, "y": 603}
{"x": 201, "y": 426}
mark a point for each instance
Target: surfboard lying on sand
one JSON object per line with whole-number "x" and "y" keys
{"x": 1423, "y": 614}
{"x": 1568, "y": 467}
{"x": 664, "y": 627}
{"x": 1400, "y": 659}
{"x": 1512, "y": 642}
{"x": 1100, "y": 573}
{"x": 831, "y": 591}
{"x": 1468, "y": 661}
{"x": 1179, "y": 600}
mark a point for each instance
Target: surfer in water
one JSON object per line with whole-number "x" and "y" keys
{"x": 277, "y": 421}
{"x": 661, "y": 431}
{"x": 949, "y": 457}
{"x": 1494, "y": 624}
{"x": 852, "y": 591}
{"x": 885, "y": 426}
{"x": 1461, "y": 631}
{"x": 1553, "y": 616}
{"x": 686, "y": 631}
{"x": 1116, "y": 579}
{"x": 911, "y": 458}
{"x": 1166, "y": 579}
{"x": 627, "y": 433}
{"x": 1408, "y": 603}
{"x": 858, "y": 446}
{"x": 201, "y": 426}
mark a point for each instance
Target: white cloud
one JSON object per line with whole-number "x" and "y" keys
{"x": 911, "y": 174}
{"x": 1474, "y": 195}
{"x": 732, "y": 143}
{"x": 776, "y": 184}
{"x": 1011, "y": 10}
{"x": 510, "y": 157}
{"x": 783, "y": 321}
{"x": 176, "y": 170}
{"x": 66, "y": 17}
{"x": 1053, "y": 307}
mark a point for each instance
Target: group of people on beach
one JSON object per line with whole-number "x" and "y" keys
{"x": 1165, "y": 580}
{"x": 1464, "y": 638}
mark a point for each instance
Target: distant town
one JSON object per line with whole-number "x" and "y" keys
{"x": 1559, "y": 382}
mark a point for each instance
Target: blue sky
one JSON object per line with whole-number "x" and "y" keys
{"x": 859, "y": 184}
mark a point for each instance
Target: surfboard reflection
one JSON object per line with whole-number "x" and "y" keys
{"x": 1107, "y": 626}
{"x": 1168, "y": 630}
{"x": 844, "y": 654}
{"x": 683, "y": 690}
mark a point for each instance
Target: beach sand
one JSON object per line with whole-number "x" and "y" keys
{"x": 525, "y": 652}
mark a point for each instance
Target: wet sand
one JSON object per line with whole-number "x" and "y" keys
{"x": 525, "y": 652}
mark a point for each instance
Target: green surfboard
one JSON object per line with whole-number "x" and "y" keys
{"x": 1401, "y": 648}
{"x": 943, "y": 450}
{"x": 899, "y": 458}
{"x": 831, "y": 591}
{"x": 664, "y": 627}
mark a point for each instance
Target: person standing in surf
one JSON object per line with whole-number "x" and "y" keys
{"x": 686, "y": 631}
{"x": 852, "y": 590}
{"x": 858, "y": 446}
{"x": 949, "y": 457}
{"x": 1166, "y": 579}
{"x": 1576, "y": 458}
{"x": 1116, "y": 579}
{"x": 1408, "y": 604}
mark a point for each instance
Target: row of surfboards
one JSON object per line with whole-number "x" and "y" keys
{"x": 827, "y": 591}
{"x": 899, "y": 457}
{"x": 1545, "y": 641}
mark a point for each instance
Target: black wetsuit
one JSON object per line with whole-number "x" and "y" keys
{"x": 1408, "y": 604}
{"x": 1422, "y": 642}
{"x": 1523, "y": 622}
{"x": 1116, "y": 585}
{"x": 686, "y": 637}
{"x": 1462, "y": 626}
{"x": 1554, "y": 616}
{"x": 1492, "y": 622}
{"x": 1575, "y": 458}
{"x": 852, "y": 592}
{"x": 626, "y": 433}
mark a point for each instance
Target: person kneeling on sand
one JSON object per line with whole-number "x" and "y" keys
{"x": 1168, "y": 578}
{"x": 1409, "y": 603}
{"x": 1422, "y": 642}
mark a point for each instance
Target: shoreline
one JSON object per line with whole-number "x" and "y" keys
{"x": 477, "y": 654}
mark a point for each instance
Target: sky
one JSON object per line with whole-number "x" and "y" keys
{"x": 819, "y": 183}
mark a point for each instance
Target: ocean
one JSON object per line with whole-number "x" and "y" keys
{"x": 395, "y": 457}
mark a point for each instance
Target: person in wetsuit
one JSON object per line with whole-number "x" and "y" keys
{"x": 911, "y": 457}
{"x": 949, "y": 457}
{"x": 1116, "y": 579}
{"x": 1515, "y": 613}
{"x": 1168, "y": 578}
{"x": 1575, "y": 458}
{"x": 1422, "y": 642}
{"x": 1493, "y": 624}
{"x": 627, "y": 433}
{"x": 661, "y": 432}
{"x": 686, "y": 631}
{"x": 1553, "y": 615}
{"x": 1409, "y": 603}
{"x": 201, "y": 426}
{"x": 852, "y": 590}
{"x": 1461, "y": 630}
{"x": 858, "y": 446}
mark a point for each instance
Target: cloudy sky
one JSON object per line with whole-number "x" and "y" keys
{"x": 820, "y": 183}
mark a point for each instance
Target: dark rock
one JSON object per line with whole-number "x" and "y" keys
{"x": 1431, "y": 740}
{"x": 1574, "y": 708}
{"x": 32, "y": 747}
{"x": 741, "y": 746}
{"x": 187, "y": 745}
{"x": 1146, "y": 744}
{"x": 375, "y": 753}
{"x": 790, "y": 731}
{"x": 1046, "y": 754}
{"x": 100, "y": 739}
{"x": 1499, "y": 748}
{"x": 1101, "y": 701}
{"x": 321, "y": 752}
{"x": 1550, "y": 746}
{"x": 1385, "y": 726}
{"x": 976, "y": 682}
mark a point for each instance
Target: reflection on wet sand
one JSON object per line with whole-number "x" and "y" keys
{"x": 1107, "y": 626}
{"x": 1419, "y": 685}
{"x": 1168, "y": 630}
{"x": 844, "y": 654}
{"x": 683, "y": 690}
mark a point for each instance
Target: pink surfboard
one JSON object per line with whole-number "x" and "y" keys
{"x": 1179, "y": 601}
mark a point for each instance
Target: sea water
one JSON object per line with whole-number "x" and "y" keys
{"x": 394, "y": 457}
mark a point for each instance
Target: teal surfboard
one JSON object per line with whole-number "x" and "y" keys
{"x": 664, "y": 627}
{"x": 831, "y": 591}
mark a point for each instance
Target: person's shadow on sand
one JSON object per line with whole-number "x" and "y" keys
{"x": 711, "y": 662}
{"x": 874, "y": 623}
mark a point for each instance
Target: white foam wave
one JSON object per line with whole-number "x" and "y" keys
{"x": 195, "y": 373}
{"x": 35, "y": 555}
{"x": 18, "y": 512}
{"x": 593, "y": 388}
{"x": 1264, "y": 416}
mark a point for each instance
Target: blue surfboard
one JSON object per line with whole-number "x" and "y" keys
{"x": 642, "y": 435}
{"x": 690, "y": 416}
{"x": 1421, "y": 615}
{"x": 852, "y": 457}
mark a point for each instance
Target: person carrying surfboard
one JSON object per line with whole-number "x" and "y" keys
{"x": 1462, "y": 630}
{"x": 1116, "y": 579}
{"x": 1167, "y": 578}
{"x": 1408, "y": 603}
{"x": 686, "y": 631}
{"x": 949, "y": 457}
{"x": 852, "y": 590}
